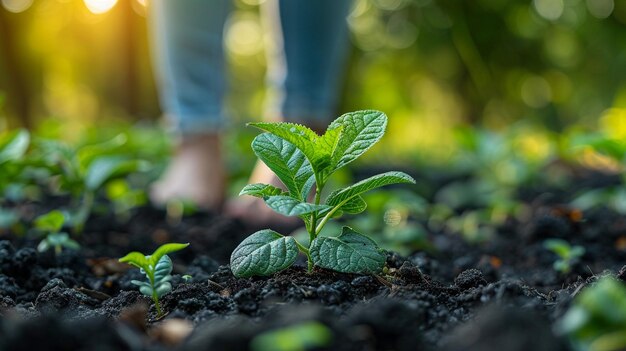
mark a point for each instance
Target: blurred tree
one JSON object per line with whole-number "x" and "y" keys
{"x": 12, "y": 72}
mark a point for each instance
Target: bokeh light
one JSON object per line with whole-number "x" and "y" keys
{"x": 244, "y": 35}
{"x": 600, "y": 8}
{"x": 613, "y": 123}
{"x": 549, "y": 9}
{"x": 100, "y": 6}
{"x": 17, "y": 6}
{"x": 536, "y": 91}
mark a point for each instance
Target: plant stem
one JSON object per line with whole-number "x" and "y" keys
{"x": 155, "y": 298}
{"x": 318, "y": 194}
{"x": 319, "y": 227}
{"x": 312, "y": 232}
{"x": 308, "y": 255}
{"x": 318, "y": 197}
{"x": 302, "y": 248}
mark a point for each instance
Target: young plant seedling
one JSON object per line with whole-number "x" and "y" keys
{"x": 303, "y": 160}
{"x": 596, "y": 319}
{"x": 568, "y": 255}
{"x": 85, "y": 171}
{"x": 51, "y": 223}
{"x": 157, "y": 268}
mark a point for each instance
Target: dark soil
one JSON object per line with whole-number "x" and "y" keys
{"x": 498, "y": 295}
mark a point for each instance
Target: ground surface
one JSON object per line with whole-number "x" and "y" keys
{"x": 499, "y": 295}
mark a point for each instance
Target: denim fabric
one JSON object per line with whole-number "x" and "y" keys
{"x": 316, "y": 45}
{"x": 188, "y": 55}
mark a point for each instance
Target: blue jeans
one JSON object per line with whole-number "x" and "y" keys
{"x": 189, "y": 60}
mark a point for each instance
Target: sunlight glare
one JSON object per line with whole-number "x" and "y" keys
{"x": 99, "y": 6}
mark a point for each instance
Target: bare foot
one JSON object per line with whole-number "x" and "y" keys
{"x": 196, "y": 173}
{"x": 253, "y": 210}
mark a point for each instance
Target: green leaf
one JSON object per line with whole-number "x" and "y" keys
{"x": 260, "y": 190}
{"x": 598, "y": 312}
{"x": 70, "y": 243}
{"x": 58, "y": 240}
{"x": 300, "y": 136}
{"x": 163, "y": 288}
{"x": 164, "y": 250}
{"x": 318, "y": 150}
{"x": 14, "y": 145}
{"x": 325, "y": 147}
{"x": 106, "y": 168}
{"x": 88, "y": 153}
{"x": 140, "y": 283}
{"x": 50, "y": 222}
{"x": 558, "y": 246}
{"x": 288, "y": 206}
{"x": 136, "y": 259}
{"x": 344, "y": 196}
{"x": 162, "y": 269}
{"x": 360, "y": 131}
{"x": 613, "y": 148}
{"x": 354, "y": 206}
{"x": 288, "y": 163}
{"x": 145, "y": 289}
{"x": 350, "y": 252}
{"x": 263, "y": 253}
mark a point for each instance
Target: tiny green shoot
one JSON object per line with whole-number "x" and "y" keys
{"x": 51, "y": 223}
{"x": 597, "y": 318}
{"x": 157, "y": 268}
{"x": 567, "y": 255}
{"x": 304, "y": 162}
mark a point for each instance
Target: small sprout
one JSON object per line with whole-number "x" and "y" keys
{"x": 597, "y": 318}
{"x": 157, "y": 268}
{"x": 187, "y": 278}
{"x": 304, "y": 162}
{"x": 51, "y": 223}
{"x": 58, "y": 241}
{"x": 567, "y": 255}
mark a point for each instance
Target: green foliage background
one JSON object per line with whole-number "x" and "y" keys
{"x": 429, "y": 64}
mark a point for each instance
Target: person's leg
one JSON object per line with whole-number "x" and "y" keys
{"x": 188, "y": 58}
{"x": 306, "y": 67}
{"x": 315, "y": 48}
